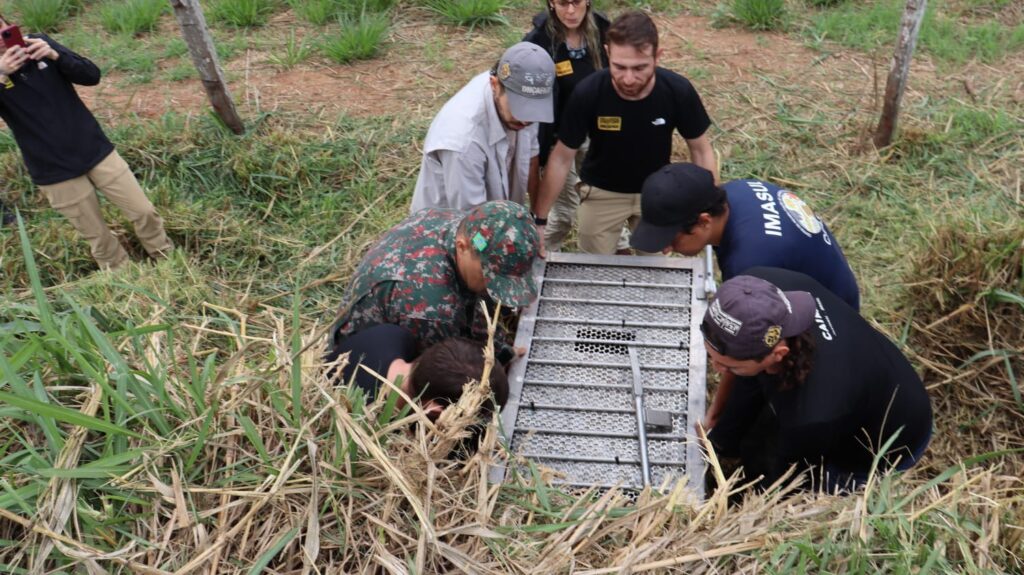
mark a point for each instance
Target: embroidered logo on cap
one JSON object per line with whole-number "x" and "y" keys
{"x": 772, "y": 336}
{"x": 785, "y": 300}
{"x": 505, "y": 71}
{"x": 479, "y": 242}
{"x": 723, "y": 320}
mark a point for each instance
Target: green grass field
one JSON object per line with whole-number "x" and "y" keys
{"x": 170, "y": 418}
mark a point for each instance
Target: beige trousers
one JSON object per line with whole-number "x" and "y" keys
{"x": 602, "y": 216}
{"x": 562, "y": 215}
{"x": 76, "y": 199}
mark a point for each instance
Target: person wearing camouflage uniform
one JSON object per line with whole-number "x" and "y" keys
{"x": 428, "y": 273}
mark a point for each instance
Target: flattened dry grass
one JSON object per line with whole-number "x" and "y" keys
{"x": 220, "y": 448}
{"x": 965, "y": 302}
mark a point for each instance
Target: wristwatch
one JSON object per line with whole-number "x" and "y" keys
{"x": 539, "y": 220}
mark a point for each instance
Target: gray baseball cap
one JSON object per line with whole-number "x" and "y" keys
{"x": 750, "y": 315}
{"x": 528, "y": 75}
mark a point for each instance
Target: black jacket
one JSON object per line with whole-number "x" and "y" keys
{"x": 565, "y": 83}
{"x": 58, "y": 136}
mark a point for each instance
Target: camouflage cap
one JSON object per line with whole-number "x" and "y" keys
{"x": 503, "y": 234}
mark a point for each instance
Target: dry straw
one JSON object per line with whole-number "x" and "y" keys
{"x": 354, "y": 489}
{"x": 966, "y": 320}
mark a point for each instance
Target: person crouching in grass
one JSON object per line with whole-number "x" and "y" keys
{"x": 816, "y": 386}
{"x": 435, "y": 378}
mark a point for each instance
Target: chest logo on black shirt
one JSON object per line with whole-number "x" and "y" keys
{"x": 609, "y": 123}
{"x": 563, "y": 68}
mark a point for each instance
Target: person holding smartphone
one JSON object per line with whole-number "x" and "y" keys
{"x": 66, "y": 152}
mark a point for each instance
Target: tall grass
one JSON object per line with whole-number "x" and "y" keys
{"x": 242, "y": 13}
{"x": 131, "y": 16}
{"x": 469, "y": 13}
{"x": 359, "y": 37}
{"x": 42, "y": 15}
{"x": 123, "y": 434}
{"x": 759, "y": 14}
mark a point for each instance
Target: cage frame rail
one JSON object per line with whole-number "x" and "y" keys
{"x": 695, "y": 391}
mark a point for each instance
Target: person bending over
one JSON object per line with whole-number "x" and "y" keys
{"x": 816, "y": 386}
{"x": 749, "y": 222}
{"x": 434, "y": 378}
{"x": 430, "y": 272}
{"x": 482, "y": 145}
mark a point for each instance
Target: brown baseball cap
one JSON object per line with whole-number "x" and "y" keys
{"x": 750, "y": 315}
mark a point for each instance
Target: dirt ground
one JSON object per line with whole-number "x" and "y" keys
{"x": 424, "y": 63}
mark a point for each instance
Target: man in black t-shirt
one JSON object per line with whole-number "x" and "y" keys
{"x": 830, "y": 391}
{"x": 629, "y": 111}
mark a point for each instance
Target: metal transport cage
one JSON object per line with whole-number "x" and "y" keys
{"x": 614, "y": 373}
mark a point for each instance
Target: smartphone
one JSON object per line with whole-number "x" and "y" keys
{"x": 12, "y": 36}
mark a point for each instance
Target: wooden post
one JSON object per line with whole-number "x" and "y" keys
{"x": 204, "y": 56}
{"x": 913, "y": 15}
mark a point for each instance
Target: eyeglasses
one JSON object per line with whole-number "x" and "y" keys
{"x": 574, "y": 3}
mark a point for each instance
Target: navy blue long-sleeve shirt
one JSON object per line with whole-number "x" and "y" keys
{"x": 58, "y": 136}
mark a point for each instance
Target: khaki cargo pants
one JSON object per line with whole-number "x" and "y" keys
{"x": 76, "y": 199}
{"x": 602, "y": 215}
{"x": 562, "y": 215}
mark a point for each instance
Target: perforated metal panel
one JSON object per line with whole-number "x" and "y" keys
{"x": 572, "y": 403}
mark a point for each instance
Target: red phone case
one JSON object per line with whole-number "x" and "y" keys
{"x": 12, "y": 36}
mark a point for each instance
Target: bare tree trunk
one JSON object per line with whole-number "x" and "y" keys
{"x": 913, "y": 15}
{"x": 204, "y": 56}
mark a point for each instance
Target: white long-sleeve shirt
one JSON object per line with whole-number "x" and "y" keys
{"x": 466, "y": 154}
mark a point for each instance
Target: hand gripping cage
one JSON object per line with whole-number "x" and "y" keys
{"x": 613, "y": 377}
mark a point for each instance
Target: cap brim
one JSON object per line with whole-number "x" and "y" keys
{"x": 531, "y": 109}
{"x": 512, "y": 291}
{"x": 803, "y": 313}
{"x": 648, "y": 237}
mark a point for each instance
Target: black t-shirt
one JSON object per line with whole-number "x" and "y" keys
{"x": 860, "y": 392}
{"x": 629, "y": 140}
{"x": 58, "y": 136}
{"x": 570, "y": 69}
{"x": 373, "y": 348}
